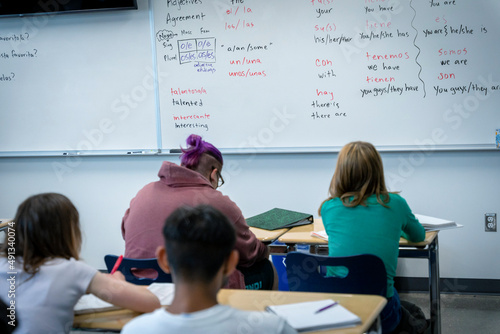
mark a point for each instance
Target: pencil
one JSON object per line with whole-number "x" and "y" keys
{"x": 326, "y": 307}
{"x": 117, "y": 264}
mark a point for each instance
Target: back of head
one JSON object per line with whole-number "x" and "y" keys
{"x": 200, "y": 155}
{"x": 359, "y": 174}
{"x": 46, "y": 226}
{"x": 198, "y": 241}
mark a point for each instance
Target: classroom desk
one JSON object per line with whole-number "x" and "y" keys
{"x": 367, "y": 307}
{"x": 267, "y": 236}
{"x": 427, "y": 249}
{"x": 4, "y": 223}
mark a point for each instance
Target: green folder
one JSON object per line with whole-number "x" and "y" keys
{"x": 279, "y": 218}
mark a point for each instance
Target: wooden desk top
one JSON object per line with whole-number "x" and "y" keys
{"x": 302, "y": 235}
{"x": 3, "y": 223}
{"x": 367, "y": 307}
{"x": 266, "y": 235}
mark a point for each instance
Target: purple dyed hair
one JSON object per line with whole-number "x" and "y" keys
{"x": 190, "y": 157}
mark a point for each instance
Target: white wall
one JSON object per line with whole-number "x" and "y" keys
{"x": 460, "y": 186}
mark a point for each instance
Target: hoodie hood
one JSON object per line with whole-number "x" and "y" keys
{"x": 177, "y": 176}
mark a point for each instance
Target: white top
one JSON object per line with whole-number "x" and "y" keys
{"x": 220, "y": 319}
{"x": 44, "y": 303}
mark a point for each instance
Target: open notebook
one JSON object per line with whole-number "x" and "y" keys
{"x": 90, "y": 303}
{"x": 315, "y": 315}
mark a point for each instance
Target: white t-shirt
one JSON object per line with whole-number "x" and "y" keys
{"x": 220, "y": 319}
{"x": 44, "y": 303}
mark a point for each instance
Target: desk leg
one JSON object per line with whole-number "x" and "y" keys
{"x": 435, "y": 298}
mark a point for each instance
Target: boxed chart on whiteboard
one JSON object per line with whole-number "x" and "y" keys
{"x": 249, "y": 74}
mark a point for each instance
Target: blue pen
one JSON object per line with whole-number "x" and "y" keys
{"x": 326, "y": 307}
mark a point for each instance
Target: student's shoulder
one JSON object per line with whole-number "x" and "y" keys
{"x": 224, "y": 204}
{"x": 146, "y": 323}
{"x": 396, "y": 198}
{"x": 72, "y": 262}
{"x": 72, "y": 269}
{"x": 333, "y": 202}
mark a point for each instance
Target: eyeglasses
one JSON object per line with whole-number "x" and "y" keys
{"x": 220, "y": 180}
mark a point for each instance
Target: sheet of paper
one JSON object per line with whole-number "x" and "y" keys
{"x": 90, "y": 303}
{"x": 320, "y": 234}
{"x": 315, "y": 315}
{"x": 435, "y": 224}
{"x": 164, "y": 292}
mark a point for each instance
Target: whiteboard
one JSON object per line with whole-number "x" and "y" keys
{"x": 77, "y": 82}
{"x": 284, "y": 74}
{"x": 252, "y": 76}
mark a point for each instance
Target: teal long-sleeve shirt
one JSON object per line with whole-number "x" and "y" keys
{"x": 371, "y": 229}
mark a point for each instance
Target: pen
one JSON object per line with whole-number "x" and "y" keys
{"x": 326, "y": 307}
{"x": 117, "y": 264}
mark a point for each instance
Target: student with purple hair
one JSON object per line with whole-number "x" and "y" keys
{"x": 193, "y": 183}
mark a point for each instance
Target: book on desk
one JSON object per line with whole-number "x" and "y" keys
{"x": 315, "y": 315}
{"x": 279, "y": 218}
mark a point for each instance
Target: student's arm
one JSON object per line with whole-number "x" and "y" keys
{"x": 250, "y": 248}
{"x": 117, "y": 291}
{"x": 413, "y": 231}
{"x": 123, "y": 222}
{"x": 126, "y": 215}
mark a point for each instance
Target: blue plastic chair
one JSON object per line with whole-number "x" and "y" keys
{"x": 128, "y": 265}
{"x": 366, "y": 274}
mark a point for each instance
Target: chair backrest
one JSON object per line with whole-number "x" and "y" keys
{"x": 146, "y": 271}
{"x": 366, "y": 274}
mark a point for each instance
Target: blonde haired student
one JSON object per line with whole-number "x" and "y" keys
{"x": 43, "y": 271}
{"x": 361, "y": 216}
